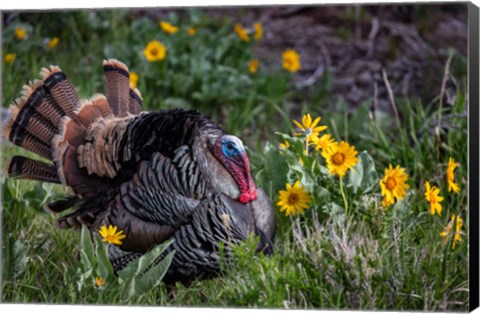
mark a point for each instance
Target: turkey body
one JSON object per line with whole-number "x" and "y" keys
{"x": 157, "y": 176}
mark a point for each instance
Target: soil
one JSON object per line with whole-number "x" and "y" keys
{"x": 357, "y": 43}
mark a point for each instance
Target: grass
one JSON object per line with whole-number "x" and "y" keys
{"x": 367, "y": 257}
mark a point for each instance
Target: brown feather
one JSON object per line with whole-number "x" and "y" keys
{"x": 100, "y": 102}
{"x": 74, "y": 133}
{"x": 135, "y": 102}
{"x": 62, "y": 91}
{"x": 25, "y": 168}
{"x": 117, "y": 86}
{"x": 88, "y": 113}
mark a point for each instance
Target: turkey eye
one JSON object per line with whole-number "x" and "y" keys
{"x": 229, "y": 146}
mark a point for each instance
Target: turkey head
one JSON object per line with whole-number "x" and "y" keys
{"x": 230, "y": 152}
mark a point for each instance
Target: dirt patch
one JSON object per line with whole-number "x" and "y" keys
{"x": 355, "y": 43}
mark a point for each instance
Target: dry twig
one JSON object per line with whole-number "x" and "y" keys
{"x": 390, "y": 95}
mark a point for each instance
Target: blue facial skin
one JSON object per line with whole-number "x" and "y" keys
{"x": 231, "y": 150}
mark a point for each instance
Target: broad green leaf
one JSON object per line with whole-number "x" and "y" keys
{"x": 86, "y": 248}
{"x": 321, "y": 195}
{"x": 103, "y": 262}
{"x": 140, "y": 265}
{"x": 273, "y": 172}
{"x": 153, "y": 277}
{"x": 128, "y": 289}
{"x": 362, "y": 178}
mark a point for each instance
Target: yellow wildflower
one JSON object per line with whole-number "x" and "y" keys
{"x": 168, "y": 28}
{"x": 191, "y": 31}
{"x": 458, "y": 232}
{"x": 294, "y": 199}
{"x": 285, "y": 145}
{"x": 340, "y": 157}
{"x": 134, "y": 79}
{"x": 110, "y": 235}
{"x": 155, "y": 51}
{"x": 253, "y": 66}
{"x": 431, "y": 195}
{"x": 393, "y": 185}
{"x": 20, "y": 33}
{"x": 9, "y": 58}
{"x": 100, "y": 282}
{"x": 258, "y": 31}
{"x": 309, "y": 128}
{"x": 291, "y": 60}
{"x": 451, "y": 176}
{"x": 52, "y": 43}
{"x": 323, "y": 142}
{"x": 241, "y": 32}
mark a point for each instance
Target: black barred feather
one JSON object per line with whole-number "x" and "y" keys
{"x": 117, "y": 86}
{"x": 62, "y": 204}
{"x": 62, "y": 92}
{"x": 135, "y": 102}
{"x": 21, "y": 167}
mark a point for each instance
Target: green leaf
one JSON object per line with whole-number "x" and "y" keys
{"x": 153, "y": 277}
{"x": 86, "y": 249}
{"x": 145, "y": 273}
{"x": 105, "y": 268}
{"x": 362, "y": 178}
{"x": 129, "y": 289}
{"x": 271, "y": 176}
{"x": 140, "y": 265}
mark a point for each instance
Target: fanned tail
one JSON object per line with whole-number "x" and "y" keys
{"x": 50, "y": 120}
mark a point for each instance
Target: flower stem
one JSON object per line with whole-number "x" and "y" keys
{"x": 345, "y": 203}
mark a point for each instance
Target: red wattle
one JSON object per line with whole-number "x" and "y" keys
{"x": 244, "y": 198}
{"x": 253, "y": 195}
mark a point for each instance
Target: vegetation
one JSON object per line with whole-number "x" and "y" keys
{"x": 356, "y": 245}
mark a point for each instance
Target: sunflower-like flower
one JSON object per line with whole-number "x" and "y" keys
{"x": 340, "y": 157}
{"x": 53, "y": 42}
{"x": 291, "y": 60}
{"x": 294, "y": 199}
{"x": 241, "y": 32}
{"x": 9, "y": 58}
{"x": 309, "y": 128}
{"x": 20, "y": 33}
{"x": 253, "y": 66}
{"x": 100, "y": 282}
{"x": 258, "y": 31}
{"x": 432, "y": 197}
{"x": 155, "y": 51}
{"x": 110, "y": 235}
{"x": 393, "y": 185}
{"x": 452, "y": 186}
{"x": 285, "y": 145}
{"x": 458, "y": 232}
{"x": 192, "y": 31}
{"x": 134, "y": 77}
{"x": 323, "y": 142}
{"x": 168, "y": 28}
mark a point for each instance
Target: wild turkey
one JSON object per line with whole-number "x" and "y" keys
{"x": 171, "y": 174}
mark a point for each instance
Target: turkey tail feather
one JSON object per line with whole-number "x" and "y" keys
{"x": 117, "y": 86}
{"x": 61, "y": 89}
{"x": 25, "y": 168}
{"x": 135, "y": 102}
